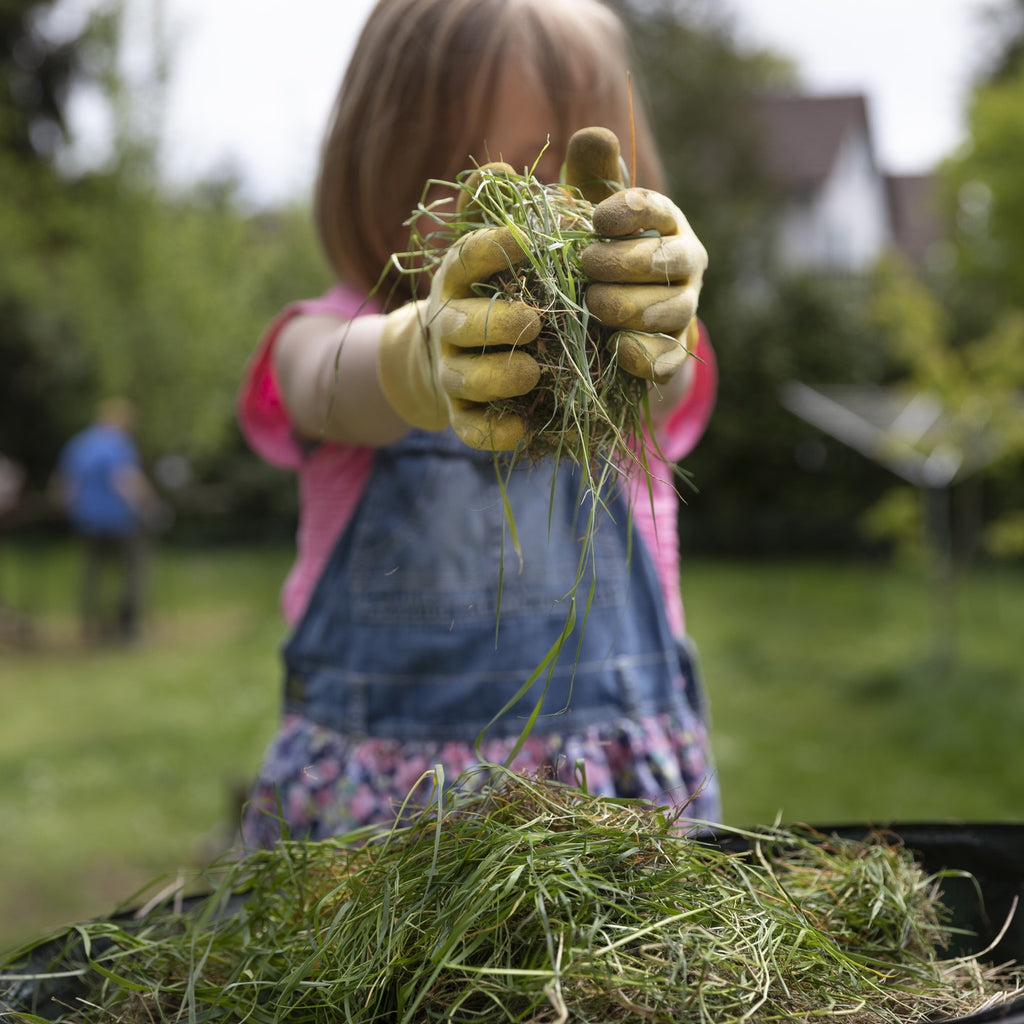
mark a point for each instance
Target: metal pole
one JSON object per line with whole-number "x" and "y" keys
{"x": 938, "y": 543}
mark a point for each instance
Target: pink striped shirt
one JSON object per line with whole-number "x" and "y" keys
{"x": 331, "y": 477}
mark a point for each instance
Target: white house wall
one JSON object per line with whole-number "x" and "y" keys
{"x": 845, "y": 225}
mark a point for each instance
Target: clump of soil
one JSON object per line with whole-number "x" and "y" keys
{"x": 583, "y": 407}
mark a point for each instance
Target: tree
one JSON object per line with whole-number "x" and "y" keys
{"x": 36, "y": 76}
{"x": 44, "y": 374}
{"x": 1005, "y": 31}
{"x": 986, "y": 195}
{"x": 110, "y": 283}
{"x": 972, "y": 425}
{"x": 984, "y": 200}
{"x": 982, "y": 191}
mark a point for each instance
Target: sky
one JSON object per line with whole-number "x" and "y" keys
{"x": 252, "y": 80}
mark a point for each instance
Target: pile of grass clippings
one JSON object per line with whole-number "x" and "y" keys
{"x": 584, "y": 407}
{"x": 528, "y": 901}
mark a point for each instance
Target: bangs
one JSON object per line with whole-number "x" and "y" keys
{"x": 575, "y": 51}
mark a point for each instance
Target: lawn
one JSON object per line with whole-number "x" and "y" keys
{"x": 827, "y": 706}
{"x": 120, "y": 766}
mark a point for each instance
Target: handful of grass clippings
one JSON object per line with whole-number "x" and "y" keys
{"x": 528, "y": 901}
{"x": 584, "y": 407}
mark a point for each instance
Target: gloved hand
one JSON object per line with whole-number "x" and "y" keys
{"x": 647, "y": 276}
{"x": 443, "y": 358}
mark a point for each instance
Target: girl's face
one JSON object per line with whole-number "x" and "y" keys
{"x": 521, "y": 124}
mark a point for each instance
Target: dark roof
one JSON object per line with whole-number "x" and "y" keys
{"x": 916, "y": 219}
{"x": 801, "y": 135}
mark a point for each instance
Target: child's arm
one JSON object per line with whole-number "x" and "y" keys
{"x": 326, "y": 369}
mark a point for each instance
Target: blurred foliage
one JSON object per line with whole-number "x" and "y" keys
{"x": 977, "y": 384}
{"x": 769, "y": 482}
{"x": 1004, "y": 33}
{"x": 36, "y": 74}
{"x": 968, "y": 344}
{"x": 41, "y": 376}
{"x": 110, "y": 283}
{"x": 984, "y": 194}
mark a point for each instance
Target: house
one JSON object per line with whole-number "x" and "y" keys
{"x": 839, "y": 210}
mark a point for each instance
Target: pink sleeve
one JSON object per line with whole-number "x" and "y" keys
{"x": 262, "y": 416}
{"x": 685, "y": 427}
{"x": 655, "y": 500}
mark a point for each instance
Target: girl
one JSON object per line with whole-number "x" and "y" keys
{"x": 398, "y": 658}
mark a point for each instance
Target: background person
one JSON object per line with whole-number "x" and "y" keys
{"x": 376, "y": 396}
{"x": 108, "y": 500}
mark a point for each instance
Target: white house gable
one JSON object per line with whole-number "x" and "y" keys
{"x": 852, "y": 216}
{"x": 835, "y": 214}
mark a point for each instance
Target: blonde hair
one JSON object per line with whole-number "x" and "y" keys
{"x": 416, "y": 97}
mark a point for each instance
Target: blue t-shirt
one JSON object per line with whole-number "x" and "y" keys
{"x": 89, "y": 467}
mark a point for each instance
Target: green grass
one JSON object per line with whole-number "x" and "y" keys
{"x": 827, "y": 706}
{"x": 118, "y": 766}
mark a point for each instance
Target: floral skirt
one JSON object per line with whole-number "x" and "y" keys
{"x": 315, "y": 783}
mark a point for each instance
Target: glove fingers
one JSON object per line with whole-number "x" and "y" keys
{"x": 473, "y": 323}
{"x": 476, "y": 257}
{"x": 593, "y": 163}
{"x": 668, "y": 259}
{"x": 652, "y": 308}
{"x": 489, "y": 376}
{"x": 638, "y": 209}
{"x": 654, "y": 357}
{"x": 485, "y": 429}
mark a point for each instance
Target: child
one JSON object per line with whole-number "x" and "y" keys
{"x": 399, "y": 657}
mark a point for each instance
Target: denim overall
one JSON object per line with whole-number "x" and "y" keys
{"x": 426, "y": 623}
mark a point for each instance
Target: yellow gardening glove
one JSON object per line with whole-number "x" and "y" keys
{"x": 442, "y": 359}
{"x": 648, "y": 274}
